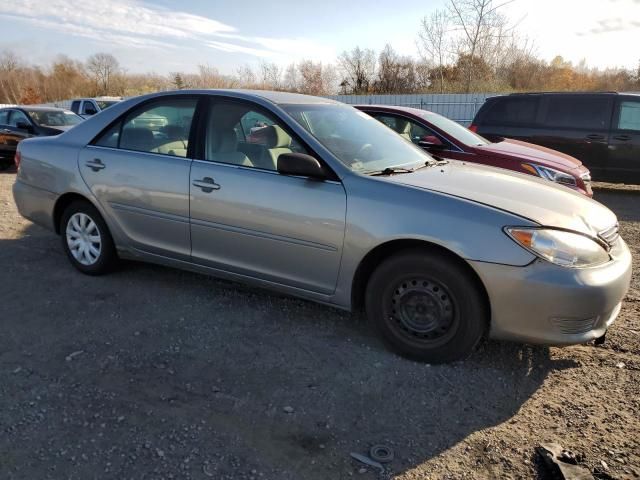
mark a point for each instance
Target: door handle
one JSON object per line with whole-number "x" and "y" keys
{"x": 622, "y": 138}
{"x": 95, "y": 164}
{"x": 207, "y": 185}
{"x": 595, "y": 136}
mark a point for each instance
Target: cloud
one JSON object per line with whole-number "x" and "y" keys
{"x": 610, "y": 25}
{"x": 134, "y": 24}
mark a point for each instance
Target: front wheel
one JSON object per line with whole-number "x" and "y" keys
{"x": 426, "y": 306}
{"x": 86, "y": 239}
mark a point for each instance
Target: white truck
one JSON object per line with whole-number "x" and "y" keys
{"x": 86, "y": 107}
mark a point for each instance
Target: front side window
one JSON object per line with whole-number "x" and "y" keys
{"x": 240, "y": 134}
{"x": 573, "y": 111}
{"x": 358, "y": 140}
{"x": 4, "y": 117}
{"x": 629, "y": 117}
{"x": 457, "y": 131}
{"x": 407, "y": 129}
{"x": 17, "y": 117}
{"x": 88, "y": 108}
{"x": 159, "y": 127}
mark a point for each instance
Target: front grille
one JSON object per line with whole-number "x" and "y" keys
{"x": 610, "y": 235}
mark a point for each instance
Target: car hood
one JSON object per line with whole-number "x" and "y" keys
{"x": 533, "y": 153}
{"x": 538, "y": 200}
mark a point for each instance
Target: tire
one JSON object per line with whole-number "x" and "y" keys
{"x": 426, "y": 306}
{"x": 81, "y": 224}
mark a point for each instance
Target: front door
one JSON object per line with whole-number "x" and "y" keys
{"x": 248, "y": 219}
{"x": 623, "y": 164}
{"x": 139, "y": 172}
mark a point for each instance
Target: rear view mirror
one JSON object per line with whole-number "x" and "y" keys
{"x": 301, "y": 165}
{"x": 431, "y": 141}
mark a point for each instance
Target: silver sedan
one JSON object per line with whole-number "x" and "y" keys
{"x": 316, "y": 199}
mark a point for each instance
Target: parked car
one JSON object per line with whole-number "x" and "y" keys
{"x": 450, "y": 140}
{"x": 18, "y": 123}
{"x": 333, "y": 207}
{"x": 87, "y": 107}
{"x": 602, "y": 130}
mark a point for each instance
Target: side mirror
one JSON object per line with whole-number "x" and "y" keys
{"x": 301, "y": 165}
{"x": 24, "y": 126}
{"x": 431, "y": 141}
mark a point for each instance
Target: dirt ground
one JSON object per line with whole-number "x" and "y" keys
{"x": 156, "y": 373}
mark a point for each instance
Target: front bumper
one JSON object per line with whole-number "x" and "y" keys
{"x": 548, "y": 304}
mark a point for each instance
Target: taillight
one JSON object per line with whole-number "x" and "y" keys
{"x": 473, "y": 128}
{"x": 16, "y": 159}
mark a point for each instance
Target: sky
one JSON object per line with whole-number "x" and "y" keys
{"x": 165, "y": 36}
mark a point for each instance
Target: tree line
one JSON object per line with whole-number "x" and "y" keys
{"x": 467, "y": 46}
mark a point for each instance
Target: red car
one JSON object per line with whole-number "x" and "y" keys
{"x": 447, "y": 139}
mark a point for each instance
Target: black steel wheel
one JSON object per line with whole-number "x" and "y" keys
{"x": 427, "y": 306}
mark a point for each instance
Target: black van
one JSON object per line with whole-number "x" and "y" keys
{"x": 600, "y": 129}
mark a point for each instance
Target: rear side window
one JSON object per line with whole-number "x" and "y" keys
{"x": 75, "y": 106}
{"x": 628, "y": 119}
{"x": 512, "y": 111}
{"x": 159, "y": 127}
{"x": 573, "y": 111}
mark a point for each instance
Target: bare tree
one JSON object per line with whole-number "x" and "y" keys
{"x": 358, "y": 67}
{"x": 396, "y": 74}
{"x": 481, "y": 24}
{"x": 270, "y": 76}
{"x": 103, "y": 67}
{"x": 434, "y": 41}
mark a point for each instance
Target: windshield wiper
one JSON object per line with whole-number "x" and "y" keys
{"x": 389, "y": 171}
{"x": 395, "y": 170}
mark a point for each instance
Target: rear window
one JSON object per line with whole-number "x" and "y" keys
{"x": 578, "y": 112}
{"x": 511, "y": 111}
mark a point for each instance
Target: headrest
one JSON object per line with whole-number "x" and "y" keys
{"x": 276, "y": 137}
{"x": 174, "y": 132}
{"x": 403, "y": 126}
{"x": 227, "y": 141}
{"x": 135, "y": 137}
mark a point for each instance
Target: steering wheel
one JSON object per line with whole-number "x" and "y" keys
{"x": 364, "y": 153}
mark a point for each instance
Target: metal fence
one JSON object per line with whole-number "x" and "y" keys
{"x": 459, "y": 107}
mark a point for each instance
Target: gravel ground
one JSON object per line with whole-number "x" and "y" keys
{"x": 156, "y": 373}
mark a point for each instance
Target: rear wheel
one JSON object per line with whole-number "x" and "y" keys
{"x": 86, "y": 239}
{"x": 426, "y": 306}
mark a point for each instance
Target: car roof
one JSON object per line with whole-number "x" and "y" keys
{"x": 279, "y": 98}
{"x": 524, "y": 94}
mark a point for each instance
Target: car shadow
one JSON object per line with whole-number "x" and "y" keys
{"x": 235, "y": 378}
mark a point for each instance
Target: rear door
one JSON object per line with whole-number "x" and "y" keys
{"x": 7, "y": 147}
{"x": 623, "y": 164}
{"x": 248, "y": 219}
{"x": 577, "y": 125}
{"x": 139, "y": 172}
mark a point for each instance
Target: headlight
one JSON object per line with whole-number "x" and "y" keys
{"x": 567, "y": 249}
{"x": 551, "y": 174}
